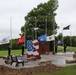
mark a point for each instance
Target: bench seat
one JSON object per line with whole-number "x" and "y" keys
{"x": 16, "y": 60}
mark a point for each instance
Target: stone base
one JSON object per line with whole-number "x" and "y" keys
{"x": 70, "y": 61}
{"x": 46, "y": 53}
{"x": 44, "y": 63}
{"x": 75, "y": 52}
{"x": 74, "y": 55}
{"x": 8, "y": 60}
{"x": 31, "y": 59}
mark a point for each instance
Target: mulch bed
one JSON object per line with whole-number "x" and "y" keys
{"x": 4, "y": 70}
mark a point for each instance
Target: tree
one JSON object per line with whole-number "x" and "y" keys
{"x": 39, "y": 17}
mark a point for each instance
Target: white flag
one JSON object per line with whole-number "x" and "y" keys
{"x": 50, "y": 38}
{"x": 4, "y": 41}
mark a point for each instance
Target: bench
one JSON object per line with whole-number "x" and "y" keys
{"x": 16, "y": 60}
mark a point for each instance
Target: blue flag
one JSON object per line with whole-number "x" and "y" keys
{"x": 42, "y": 38}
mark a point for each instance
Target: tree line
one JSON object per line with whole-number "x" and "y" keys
{"x": 18, "y": 46}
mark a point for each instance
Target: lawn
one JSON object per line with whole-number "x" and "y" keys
{"x": 69, "y": 48}
{"x": 13, "y": 52}
{"x": 18, "y": 52}
{"x": 69, "y": 70}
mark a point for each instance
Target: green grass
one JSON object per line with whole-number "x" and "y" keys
{"x": 18, "y": 52}
{"x": 61, "y": 48}
{"x": 69, "y": 70}
{"x": 13, "y": 52}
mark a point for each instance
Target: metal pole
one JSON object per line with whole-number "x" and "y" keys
{"x": 24, "y": 36}
{"x": 70, "y": 37}
{"x": 35, "y": 27}
{"x": 46, "y": 26}
{"x": 54, "y": 39}
{"x": 11, "y": 31}
{"x": 62, "y": 36}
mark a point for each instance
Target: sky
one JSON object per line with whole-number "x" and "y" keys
{"x": 12, "y": 13}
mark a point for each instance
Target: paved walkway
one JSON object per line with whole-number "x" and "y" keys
{"x": 57, "y": 59}
{"x": 60, "y": 58}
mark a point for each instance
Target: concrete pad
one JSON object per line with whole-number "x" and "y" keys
{"x": 2, "y": 61}
{"x": 58, "y": 59}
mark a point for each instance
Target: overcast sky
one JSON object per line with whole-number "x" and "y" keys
{"x": 18, "y": 9}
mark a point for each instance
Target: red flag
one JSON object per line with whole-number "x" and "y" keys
{"x": 20, "y": 40}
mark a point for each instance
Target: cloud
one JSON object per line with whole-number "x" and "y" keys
{"x": 18, "y": 9}
{"x": 66, "y": 14}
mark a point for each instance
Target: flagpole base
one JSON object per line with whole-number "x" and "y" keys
{"x": 53, "y": 53}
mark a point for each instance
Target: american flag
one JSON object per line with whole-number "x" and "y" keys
{"x": 33, "y": 49}
{"x": 32, "y": 45}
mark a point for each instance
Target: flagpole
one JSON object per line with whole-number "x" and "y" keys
{"x": 70, "y": 37}
{"x": 62, "y": 36}
{"x": 24, "y": 36}
{"x": 35, "y": 27}
{"x": 54, "y": 43}
{"x": 67, "y": 28}
{"x": 46, "y": 26}
{"x": 54, "y": 40}
{"x": 25, "y": 33}
{"x": 11, "y": 32}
